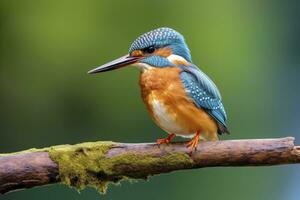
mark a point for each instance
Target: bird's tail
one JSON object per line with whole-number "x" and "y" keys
{"x": 222, "y": 129}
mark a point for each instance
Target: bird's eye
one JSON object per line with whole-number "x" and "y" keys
{"x": 150, "y": 49}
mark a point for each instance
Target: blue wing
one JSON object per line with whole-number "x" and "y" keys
{"x": 205, "y": 94}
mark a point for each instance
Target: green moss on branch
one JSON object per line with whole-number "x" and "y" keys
{"x": 87, "y": 164}
{"x": 97, "y": 164}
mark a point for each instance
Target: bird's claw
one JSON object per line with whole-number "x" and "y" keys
{"x": 165, "y": 140}
{"x": 193, "y": 143}
{"x": 162, "y": 141}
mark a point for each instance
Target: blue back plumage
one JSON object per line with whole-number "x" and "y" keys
{"x": 205, "y": 94}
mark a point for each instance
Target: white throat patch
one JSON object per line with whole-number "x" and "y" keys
{"x": 143, "y": 66}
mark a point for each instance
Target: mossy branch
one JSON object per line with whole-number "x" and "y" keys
{"x": 96, "y": 164}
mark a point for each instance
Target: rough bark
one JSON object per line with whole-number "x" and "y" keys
{"x": 26, "y": 170}
{"x": 36, "y": 168}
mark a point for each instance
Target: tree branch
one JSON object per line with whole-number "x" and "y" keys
{"x": 96, "y": 164}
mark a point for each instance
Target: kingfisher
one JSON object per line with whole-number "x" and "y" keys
{"x": 180, "y": 98}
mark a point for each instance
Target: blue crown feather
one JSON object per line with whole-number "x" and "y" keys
{"x": 162, "y": 37}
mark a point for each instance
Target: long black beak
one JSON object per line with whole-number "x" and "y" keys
{"x": 115, "y": 64}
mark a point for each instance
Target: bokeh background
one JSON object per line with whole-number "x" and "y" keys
{"x": 249, "y": 48}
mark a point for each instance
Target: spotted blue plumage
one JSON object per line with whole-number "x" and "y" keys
{"x": 205, "y": 94}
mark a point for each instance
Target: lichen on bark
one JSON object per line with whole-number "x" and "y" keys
{"x": 90, "y": 165}
{"x": 87, "y": 164}
{"x": 81, "y": 165}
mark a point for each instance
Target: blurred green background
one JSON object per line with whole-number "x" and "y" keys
{"x": 249, "y": 48}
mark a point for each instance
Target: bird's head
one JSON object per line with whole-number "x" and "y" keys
{"x": 162, "y": 47}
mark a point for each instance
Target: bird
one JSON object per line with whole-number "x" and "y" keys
{"x": 180, "y": 98}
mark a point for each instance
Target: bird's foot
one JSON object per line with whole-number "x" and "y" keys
{"x": 165, "y": 140}
{"x": 192, "y": 145}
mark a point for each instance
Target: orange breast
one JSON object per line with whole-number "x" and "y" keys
{"x": 170, "y": 106}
